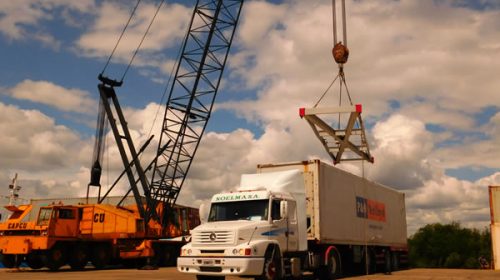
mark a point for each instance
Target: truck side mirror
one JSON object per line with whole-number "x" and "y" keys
{"x": 283, "y": 209}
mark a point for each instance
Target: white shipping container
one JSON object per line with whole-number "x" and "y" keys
{"x": 343, "y": 208}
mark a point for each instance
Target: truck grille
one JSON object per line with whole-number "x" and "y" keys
{"x": 213, "y": 237}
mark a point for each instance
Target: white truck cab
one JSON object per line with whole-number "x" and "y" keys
{"x": 248, "y": 230}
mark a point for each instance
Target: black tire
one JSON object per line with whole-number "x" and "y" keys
{"x": 10, "y": 261}
{"x": 371, "y": 264}
{"x": 272, "y": 265}
{"x": 35, "y": 260}
{"x": 207, "y": 277}
{"x": 333, "y": 268}
{"x": 55, "y": 257}
{"x": 129, "y": 263}
{"x": 169, "y": 257}
{"x": 101, "y": 256}
{"x": 396, "y": 263}
{"x": 166, "y": 256}
{"x": 78, "y": 257}
{"x": 387, "y": 262}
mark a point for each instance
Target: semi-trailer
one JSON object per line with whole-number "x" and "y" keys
{"x": 293, "y": 218}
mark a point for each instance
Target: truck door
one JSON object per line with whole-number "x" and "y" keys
{"x": 279, "y": 230}
{"x": 65, "y": 222}
{"x": 293, "y": 230}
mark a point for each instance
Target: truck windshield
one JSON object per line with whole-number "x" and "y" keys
{"x": 252, "y": 210}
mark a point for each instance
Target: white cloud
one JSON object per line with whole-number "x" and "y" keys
{"x": 45, "y": 155}
{"x": 168, "y": 28}
{"x": 447, "y": 199}
{"x": 474, "y": 151}
{"x": 35, "y": 142}
{"x": 401, "y": 149}
{"x": 47, "y": 93}
{"x": 432, "y": 58}
{"x": 435, "y": 66}
{"x": 21, "y": 20}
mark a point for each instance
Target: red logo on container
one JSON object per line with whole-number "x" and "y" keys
{"x": 370, "y": 209}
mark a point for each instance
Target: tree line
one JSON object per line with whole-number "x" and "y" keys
{"x": 449, "y": 246}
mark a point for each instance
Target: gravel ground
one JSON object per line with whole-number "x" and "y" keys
{"x": 171, "y": 273}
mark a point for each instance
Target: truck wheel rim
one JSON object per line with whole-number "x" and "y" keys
{"x": 271, "y": 270}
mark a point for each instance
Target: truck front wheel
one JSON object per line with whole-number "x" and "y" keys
{"x": 78, "y": 257}
{"x": 100, "y": 256}
{"x": 272, "y": 265}
{"x": 11, "y": 261}
{"x": 55, "y": 258}
{"x": 34, "y": 260}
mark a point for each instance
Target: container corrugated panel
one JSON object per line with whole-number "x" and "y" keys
{"x": 495, "y": 224}
{"x": 495, "y": 204}
{"x": 343, "y": 208}
{"x": 495, "y": 243}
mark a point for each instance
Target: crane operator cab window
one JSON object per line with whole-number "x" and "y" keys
{"x": 44, "y": 216}
{"x": 67, "y": 214}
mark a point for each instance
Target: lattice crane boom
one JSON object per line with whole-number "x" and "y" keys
{"x": 191, "y": 98}
{"x": 192, "y": 94}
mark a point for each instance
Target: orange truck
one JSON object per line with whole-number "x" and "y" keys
{"x": 100, "y": 233}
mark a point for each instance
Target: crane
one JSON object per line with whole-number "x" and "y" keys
{"x": 134, "y": 234}
{"x": 190, "y": 101}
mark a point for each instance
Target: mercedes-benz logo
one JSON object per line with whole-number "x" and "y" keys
{"x": 212, "y": 236}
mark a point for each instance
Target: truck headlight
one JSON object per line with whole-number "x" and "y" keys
{"x": 186, "y": 252}
{"x": 242, "y": 251}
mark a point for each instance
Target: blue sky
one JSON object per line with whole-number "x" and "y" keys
{"x": 425, "y": 72}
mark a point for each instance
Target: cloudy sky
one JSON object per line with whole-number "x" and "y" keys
{"x": 425, "y": 71}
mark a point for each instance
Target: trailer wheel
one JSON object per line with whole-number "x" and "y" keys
{"x": 395, "y": 261}
{"x": 34, "y": 260}
{"x": 55, "y": 257}
{"x": 11, "y": 261}
{"x": 333, "y": 269}
{"x": 370, "y": 263}
{"x": 272, "y": 264}
{"x": 100, "y": 256}
{"x": 79, "y": 257}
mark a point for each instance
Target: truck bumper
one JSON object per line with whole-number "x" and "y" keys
{"x": 21, "y": 245}
{"x": 221, "y": 266}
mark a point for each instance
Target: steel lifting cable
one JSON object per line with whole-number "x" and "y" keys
{"x": 121, "y": 36}
{"x": 142, "y": 40}
{"x": 140, "y": 43}
{"x": 340, "y": 53}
